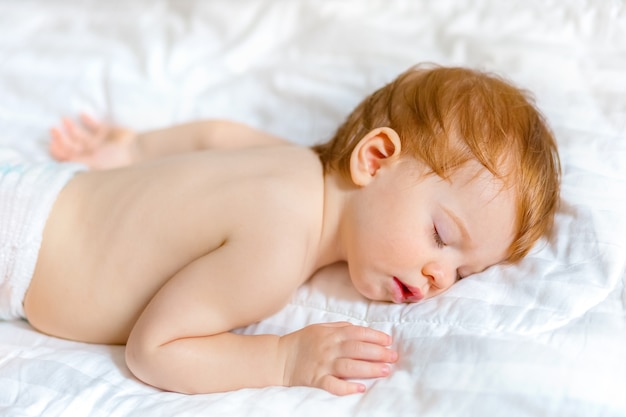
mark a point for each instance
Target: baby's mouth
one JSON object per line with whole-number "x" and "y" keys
{"x": 407, "y": 293}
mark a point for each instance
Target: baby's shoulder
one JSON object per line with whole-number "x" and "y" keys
{"x": 291, "y": 191}
{"x": 283, "y": 200}
{"x": 298, "y": 170}
{"x": 283, "y": 176}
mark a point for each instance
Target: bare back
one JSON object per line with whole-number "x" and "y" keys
{"x": 115, "y": 238}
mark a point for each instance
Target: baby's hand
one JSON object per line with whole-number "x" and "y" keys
{"x": 95, "y": 144}
{"x": 326, "y": 355}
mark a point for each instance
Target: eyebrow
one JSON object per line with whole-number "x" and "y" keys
{"x": 459, "y": 224}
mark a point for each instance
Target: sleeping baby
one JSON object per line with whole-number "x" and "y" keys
{"x": 175, "y": 237}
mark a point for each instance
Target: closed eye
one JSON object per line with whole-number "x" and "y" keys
{"x": 438, "y": 241}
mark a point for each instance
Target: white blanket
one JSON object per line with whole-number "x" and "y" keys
{"x": 543, "y": 338}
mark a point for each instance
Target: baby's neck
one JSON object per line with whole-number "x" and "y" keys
{"x": 331, "y": 246}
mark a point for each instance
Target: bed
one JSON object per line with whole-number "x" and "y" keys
{"x": 546, "y": 337}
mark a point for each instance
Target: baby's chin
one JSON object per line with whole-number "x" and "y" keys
{"x": 373, "y": 294}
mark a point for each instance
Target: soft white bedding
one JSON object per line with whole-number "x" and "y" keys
{"x": 544, "y": 338}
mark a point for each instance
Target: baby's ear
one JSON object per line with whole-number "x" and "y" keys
{"x": 377, "y": 148}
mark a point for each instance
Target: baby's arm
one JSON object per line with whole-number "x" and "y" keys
{"x": 103, "y": 146}
{"x": 182, "y": 341}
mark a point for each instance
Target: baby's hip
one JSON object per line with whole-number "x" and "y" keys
{"x": 27, "y": 194}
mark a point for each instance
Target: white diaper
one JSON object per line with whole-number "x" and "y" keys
{"x": 27, "y": 193}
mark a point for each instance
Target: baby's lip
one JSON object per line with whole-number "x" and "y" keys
{"x": 404, "y": 293}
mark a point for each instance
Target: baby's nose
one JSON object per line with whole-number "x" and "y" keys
{"x": 438, "y": 275}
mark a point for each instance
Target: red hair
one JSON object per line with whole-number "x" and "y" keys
{"x": 448, "y": 116}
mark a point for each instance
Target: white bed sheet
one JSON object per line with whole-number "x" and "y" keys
{"x": 544, "y": 338}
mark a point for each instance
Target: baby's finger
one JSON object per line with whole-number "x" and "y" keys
{"x": 350, "y": 368}
{"x": 76, "y": 134}
{"x": 89, "y": 122}
{"x": 338, "y": 386}
{"x": 98, "y": 132}
{"x": 337, "y": 324}
{"x": 366, "y": 334}
{"x": 355, "y": 349}
{"x": 63, "y": 143}
{"x": 58, "y": 147}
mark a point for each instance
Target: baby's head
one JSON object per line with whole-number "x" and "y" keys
{"x": 447, "y": 117}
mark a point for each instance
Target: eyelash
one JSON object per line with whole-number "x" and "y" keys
{"x": 440, "y": 243}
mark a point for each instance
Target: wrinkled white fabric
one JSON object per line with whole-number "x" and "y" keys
{"x": 544, "y": 338}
